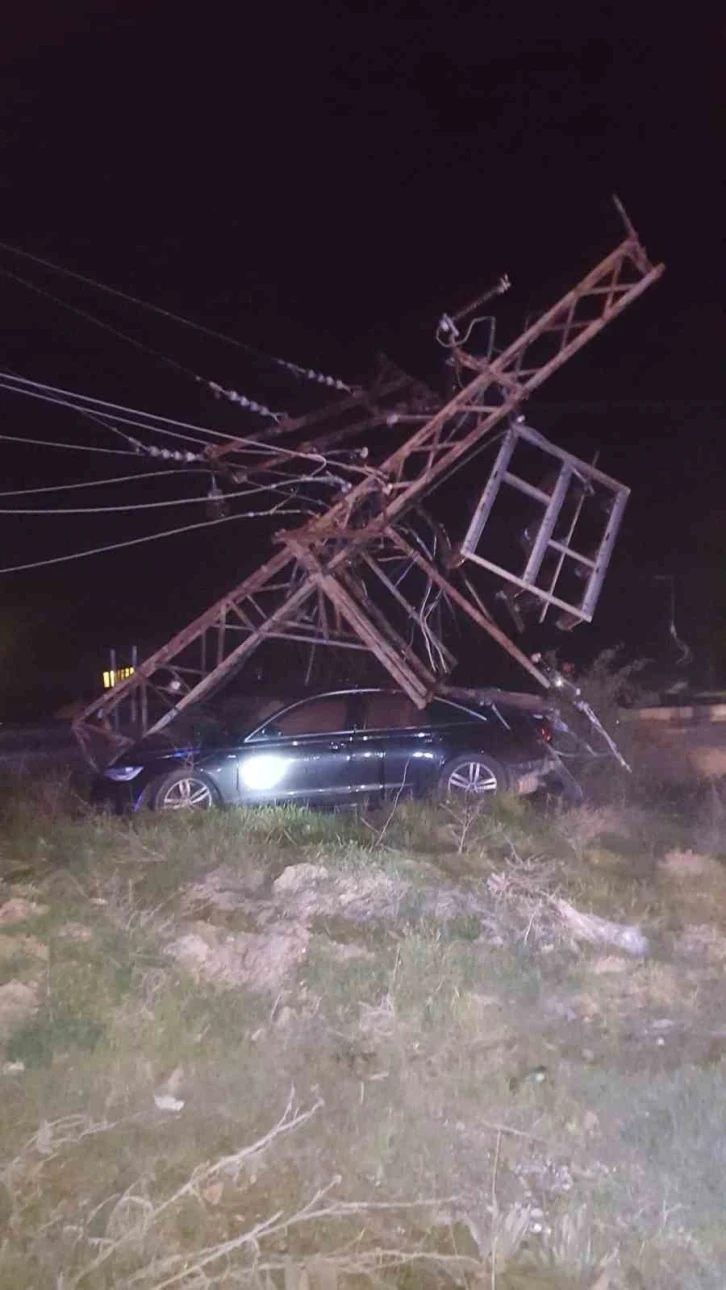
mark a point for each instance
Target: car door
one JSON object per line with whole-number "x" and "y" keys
{"x": 397, "y": 734}
{"x": 303, "y": 754}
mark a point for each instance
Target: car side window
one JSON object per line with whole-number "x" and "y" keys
{"x": 315, "y": 717}
{"x": 442, "y": 713}
{"x": 390, "y": 712}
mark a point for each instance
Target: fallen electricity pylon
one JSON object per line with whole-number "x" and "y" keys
{"x": 369, "y": 571}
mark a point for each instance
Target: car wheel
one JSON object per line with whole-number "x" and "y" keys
{"x": 475, "y": 777}
{"x": 566, "y": 791}
{"x": 183, "y": 790}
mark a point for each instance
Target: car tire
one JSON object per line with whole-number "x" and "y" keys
{"x": 182, "y": 790}
{"x": 566, "y": 791}
{"x": 474, "y": 777}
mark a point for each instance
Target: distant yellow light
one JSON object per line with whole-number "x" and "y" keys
{"x": 112, "y": 677}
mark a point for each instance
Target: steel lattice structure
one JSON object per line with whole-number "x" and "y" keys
{"x": 330, "y": 581}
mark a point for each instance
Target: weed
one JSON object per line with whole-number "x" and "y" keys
{"x": 479, "y": 1098}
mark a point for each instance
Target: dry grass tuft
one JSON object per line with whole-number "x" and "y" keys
{"x": 462, "y": 1002}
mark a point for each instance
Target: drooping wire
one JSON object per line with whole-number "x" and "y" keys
{"x": 151, "y": 537}
{"x": 124, "y": 506}
{"x": 125, "y": 415}
{"x": 295, "y": 368}
{"x": 135, "y": 445}
{"x": 251, "y": 405}
{"x": 447, "y": 333}
{"x": 69, "y": 399}
{"x": 142, "y": 420}
{"x": 104, "y": 326}
{"x": 272, "y": 452}
{"x": 75, "y": 447}
{"x": 82, "y": 412}
{"x": 97, "y": 483}
{"x": 685, "y": 653}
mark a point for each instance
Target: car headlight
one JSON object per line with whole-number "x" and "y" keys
{"x": 122, "y": 773}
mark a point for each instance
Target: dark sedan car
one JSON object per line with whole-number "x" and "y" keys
{"x": 338, "y": 748}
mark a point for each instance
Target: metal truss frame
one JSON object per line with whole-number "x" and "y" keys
{"x": 318, "y": 588}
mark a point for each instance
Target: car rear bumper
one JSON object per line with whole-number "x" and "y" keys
{"x": 528, "y": 777}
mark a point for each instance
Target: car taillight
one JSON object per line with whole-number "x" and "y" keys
{"x": 545, "y": 732}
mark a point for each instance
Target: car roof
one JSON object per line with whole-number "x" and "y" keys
{"x": 351, "y": 691}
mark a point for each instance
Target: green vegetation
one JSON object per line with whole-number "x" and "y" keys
{"x": 301, "y": 1052}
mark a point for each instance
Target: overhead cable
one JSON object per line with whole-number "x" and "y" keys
{"x": 250, "y": 404}
{"x": 96, "y": 483}
{"x": 68, "y": 399}
{"x": 124, "y": 506}
{"x": 103, "y": 419}
{"x": 75, "y": 447}
{"x": 295, "y": 368}
{"x": 151, "y": 537}
{"x": 104, "y": 326}
{"x": 150, "y": 421}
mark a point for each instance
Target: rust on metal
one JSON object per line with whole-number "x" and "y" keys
{"x": 328, "y": 583}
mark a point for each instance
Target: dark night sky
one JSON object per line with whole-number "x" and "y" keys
{"x": 322, "y": 185}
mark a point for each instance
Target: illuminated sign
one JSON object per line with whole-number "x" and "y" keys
{"x": 112, "y": 677}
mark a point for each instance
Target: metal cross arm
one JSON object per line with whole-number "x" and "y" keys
{"x": 325, "y": 585}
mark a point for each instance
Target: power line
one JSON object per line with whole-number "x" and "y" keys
{"x": 97, "y": 322}
{"x": 127, "y": 506}
{"x": 135, "y": 300}
{"x": 82, "y": 412}
{"x": 96, "y": 483}
{"x": 150, "y": 417}
{"x": 76, "y": 447}
{"x": 151, "y": 537}
{"x": 78, "y": 402}
{"x": 251, "y": 405}
{"x": 306, "y": 373}
{"x": 104, "y": 419}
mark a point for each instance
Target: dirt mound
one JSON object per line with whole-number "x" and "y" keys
{"x": 279, "y": 924}
{"x": 308, "y": 891}
{"x": 29, "y": 947}
{"x": 684, "y": 866}
{"x": 19, "y": 1000}
{"x": 260, "y": 962}
{"x": 18, "y": 910}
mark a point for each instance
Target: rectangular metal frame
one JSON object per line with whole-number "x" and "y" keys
{"x": 286, "y": 596}
{"x": 569, "y": 467}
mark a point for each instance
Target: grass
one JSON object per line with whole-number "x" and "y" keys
{"x": 391, "y": 1066}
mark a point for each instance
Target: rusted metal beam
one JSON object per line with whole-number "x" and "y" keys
{"x": 407, "y": 606}
{"x": 365, "y": 399}
{"x": 473, "y": 610}
{"x": 370, "y": 625}
{"x": 397, "y": 665}
{"x": 450, "y": 441}
{"x": 326, "y": 546}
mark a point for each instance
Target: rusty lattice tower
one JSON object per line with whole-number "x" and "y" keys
{"x": 329, "y": 581}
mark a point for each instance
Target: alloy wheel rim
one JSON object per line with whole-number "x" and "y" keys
{"x": 473, "y": 778}
{"x": 187, "y": 795}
